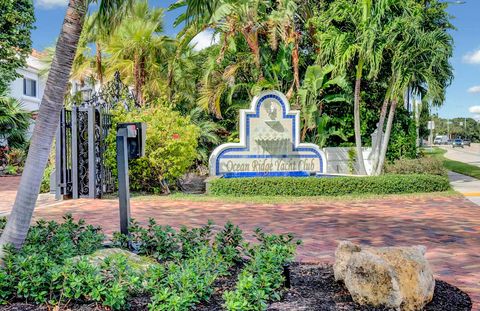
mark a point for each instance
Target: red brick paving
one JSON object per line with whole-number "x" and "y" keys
{"x": 8, "y": 191}
{"x": 448, "y": 225}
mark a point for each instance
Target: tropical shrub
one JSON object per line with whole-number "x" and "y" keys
{"x": 165, "y": 243}
{"x": 179, "y": 286}
{"x": 32, "y": 272}
{"x": 14, "y": 122}
{"x": 58, "y": 265}
{"x": 403, "y": 140}
{"x": 261, "y": 278}
{"x": 311, "y": 186}
{"x": 12, "y": 161}
{"x": 424, "y": 165}
{"x": 170, "y": 147}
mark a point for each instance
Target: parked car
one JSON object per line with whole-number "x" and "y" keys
{"x": 457, "y": 143}
{"x": 440, "y": 140}
{"x": 466, "y": 142}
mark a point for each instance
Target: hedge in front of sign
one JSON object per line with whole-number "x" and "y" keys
{"x": 331, "y": 186}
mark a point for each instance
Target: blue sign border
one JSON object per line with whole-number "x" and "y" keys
{"x": 256, "y": 114}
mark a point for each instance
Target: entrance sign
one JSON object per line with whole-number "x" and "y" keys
{"x": 269, "y": 143}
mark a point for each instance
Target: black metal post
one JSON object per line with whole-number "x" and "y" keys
{"x": 123, "y": 182}
{"x": 286, "y": 275}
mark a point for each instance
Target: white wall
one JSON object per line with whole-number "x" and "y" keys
{"x": 31, "y": 72}
{"x": 338, "y": 160}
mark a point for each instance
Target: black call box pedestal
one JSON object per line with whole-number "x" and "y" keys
{"x": 131, "y": 138}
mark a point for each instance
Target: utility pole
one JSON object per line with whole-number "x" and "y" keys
{"x": 448, "y": 128}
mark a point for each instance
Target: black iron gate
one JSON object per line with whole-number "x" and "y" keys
{"x": 80, "y": 170}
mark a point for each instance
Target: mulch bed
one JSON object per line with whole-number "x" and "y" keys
{"x": 313, "y": 288}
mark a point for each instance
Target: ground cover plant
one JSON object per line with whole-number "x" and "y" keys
{"x": 335, "y": 186}
{"x": 177, "y": 271}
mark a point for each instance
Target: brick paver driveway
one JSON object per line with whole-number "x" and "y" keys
{"x": 448, "y": 225}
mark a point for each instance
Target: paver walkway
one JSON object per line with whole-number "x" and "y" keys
{"x": 8, "y": 191}
{"x": 448, "y": 225}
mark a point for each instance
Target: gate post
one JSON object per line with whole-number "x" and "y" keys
{"x": 58, "y": 160}
{"x": 74, "y": 152}
{"x": 91, "y": 151}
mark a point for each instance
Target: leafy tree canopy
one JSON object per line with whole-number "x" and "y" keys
{"x": 16, "y": 22}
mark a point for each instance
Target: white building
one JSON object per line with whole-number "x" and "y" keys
{"x": 29, "y": 88}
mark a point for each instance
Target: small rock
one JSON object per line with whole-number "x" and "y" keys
{"x": 394, "y": 277}
{"x": 137, "y": 263}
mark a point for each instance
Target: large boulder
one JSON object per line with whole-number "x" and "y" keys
{"x": 394, "y": 277}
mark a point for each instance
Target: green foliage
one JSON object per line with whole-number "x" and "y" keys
{"x": 260, "y": 280}
{"x": 16, "y": 22}
{"x": 12, "y": 160}
{"x": 170, "y": 147}
{"x": 179, "y": 286}
{"x": 32, "y": 272}
{"x": 352, "y": 157}
{"x": 313, "y": 98}
{"x": 58, "y": 265}
{"x": 304, "y": 186}
{"x": 14, "y": 121}
{"x": 229, "y": 241}
{"x": 466, "y": 128}
{"x": 110, "y": 283}
{"x": 165, "y": 243}
{"x": 424, "y": 165}
{"x": 403, "y": 140}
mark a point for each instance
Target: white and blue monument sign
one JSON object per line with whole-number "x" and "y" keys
{"x": 269, "y": 143}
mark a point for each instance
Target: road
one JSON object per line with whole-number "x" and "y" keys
{"x": 470, "y": 155}
{"x": 468, "y": 186}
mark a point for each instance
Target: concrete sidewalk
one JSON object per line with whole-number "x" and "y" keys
{"x": 466, "y": 185}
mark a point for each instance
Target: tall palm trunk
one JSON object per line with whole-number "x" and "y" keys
{"x": 45, "y": 126}
{"x": 377, "y": 143}
{"x": 295, "y": 61}
{"x": 139, "y": 76}
{"x": 386, "y": 138}
{"x": 99, "y": 61}
{"x": 356, "y": 116}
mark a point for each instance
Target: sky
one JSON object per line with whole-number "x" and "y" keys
{"x": 463, "y": 96}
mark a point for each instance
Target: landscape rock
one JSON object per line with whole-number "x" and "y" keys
{"x": 137, "y": 263}
{"x": 394, "y": 277}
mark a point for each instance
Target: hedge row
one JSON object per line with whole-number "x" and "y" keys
{"x": 334, "y": 186}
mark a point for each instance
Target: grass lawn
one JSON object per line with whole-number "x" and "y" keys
{"x": 454, "y": 166}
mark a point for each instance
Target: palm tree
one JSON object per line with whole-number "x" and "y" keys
{"x": 353, "y": 34}
{"x": 49, "y": 114}
{"x": 14, "y": 121}
{"x": 420, "y": 63}
{"x": 208, "y": 137}
{"x": 138, "y": 51}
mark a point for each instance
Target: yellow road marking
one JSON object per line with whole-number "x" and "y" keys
{"x": 471, "y": 194}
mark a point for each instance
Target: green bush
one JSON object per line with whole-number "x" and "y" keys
{"x": 179, "y": 286}
{"x": 425, "y": 165}
{"x": 335, "y": 186}
{"x": 51, "y": 267}
{"x": 260, "y": 280}
{"x": 170, "y": 147}
{"x": 32, "y": 271}
{"x": 163, "y": 243}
